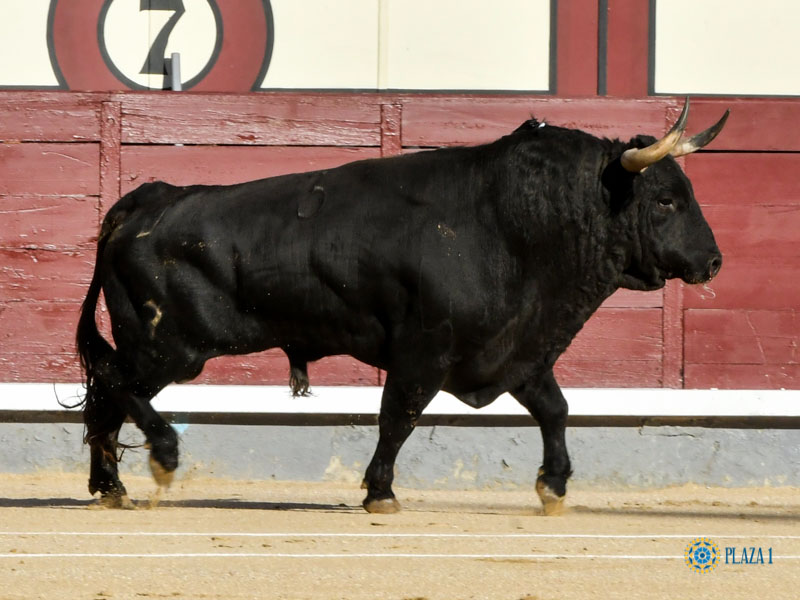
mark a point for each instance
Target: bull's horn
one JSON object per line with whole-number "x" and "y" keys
{"x": 637, "y": 160}
{"x": 699, "y": 140}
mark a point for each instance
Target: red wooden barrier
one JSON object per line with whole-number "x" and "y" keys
{"x": 66, "y": 157}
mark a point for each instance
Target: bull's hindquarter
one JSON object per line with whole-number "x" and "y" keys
{"x": 466, "y": 269}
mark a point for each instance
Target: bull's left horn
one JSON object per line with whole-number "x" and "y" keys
{"x": 637, "y": 160}
{"x": 699, "y": 140}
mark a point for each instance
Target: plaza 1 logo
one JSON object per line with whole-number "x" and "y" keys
{"x": 127, "y": 44}
{"x": 702, "y": 555}
{"x": 748, "y": 555}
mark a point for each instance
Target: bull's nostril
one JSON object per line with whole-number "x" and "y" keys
{"x": 714, "y": 266}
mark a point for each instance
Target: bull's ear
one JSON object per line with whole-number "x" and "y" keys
{"x": 618, "y": 185}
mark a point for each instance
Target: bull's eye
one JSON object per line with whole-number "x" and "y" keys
{"x": 666, "y": 204}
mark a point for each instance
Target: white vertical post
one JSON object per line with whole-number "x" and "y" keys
{"x": 175, "y": 71}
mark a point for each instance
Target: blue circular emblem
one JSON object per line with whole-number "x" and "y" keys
{"x": 701, "y": 555}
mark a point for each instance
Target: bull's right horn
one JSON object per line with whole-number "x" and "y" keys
{"x": 637, "y": 160}
{"x": 697, "y": 141}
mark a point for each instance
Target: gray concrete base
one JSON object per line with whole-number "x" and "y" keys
{"x": 437, "y": 457}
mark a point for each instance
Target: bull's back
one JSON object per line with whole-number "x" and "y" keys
{"x": 327, "y": 262}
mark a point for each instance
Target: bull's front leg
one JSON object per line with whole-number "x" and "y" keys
{"x": 549, "y": 407}
{"x": 401, "y": 406}
{"x": 162, "y": 440}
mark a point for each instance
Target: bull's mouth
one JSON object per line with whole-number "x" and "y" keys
{"x": 654, "y": 278}
{"x": 633, "y": 278}
{"x": 695, "y": 279}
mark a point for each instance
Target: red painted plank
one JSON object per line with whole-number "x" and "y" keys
{"x": 272, "y": 368}
{"x": 628, "y": 48}
{"x": 673, "y": 334}
{"x": 40, "y": 368}
{"x": 49, "y": 169}
{"x": 264, "y": 368}
{"x": 255, "y": 119}
{"x": 48, "y": 222}
{"x": 110, "y": 150}
{"x": 623, "y": 298}
{"x": 754, "y": 124}
{"x": 618, "y": 334}
{"x": 187, "y": 165}
{"x": 750, "y": 283}
{"x": 577, "y": 48}
{"x": 45, "y": 328}
{"x": 450, "y": 120}
{"x": 40, "y": 275}
{"x": 745, "y": 179}
{"x": 47, "y": 117}
{"x": 341, "y": 370}
{"x": 742, "y": 337}
{"x": 746, "y": 377}
{"x": 608, "y": 373}
{"x": 391, "y": 129}
{"x": 766, "y": 232}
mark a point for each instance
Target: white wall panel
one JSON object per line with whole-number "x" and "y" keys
{"x": 324, "y": 44}
{"x": 747, "y": 47}
{"x": 24, "y": 59}
{"x": 467, "y": 44}
{"x": 411, "y": 44}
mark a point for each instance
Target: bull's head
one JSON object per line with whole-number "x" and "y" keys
{"x": 673, "y": 237}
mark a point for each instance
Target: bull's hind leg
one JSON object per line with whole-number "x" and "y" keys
{"x": 102, "y": 429}
{"x": 401, "y": 406}
{"x": 111, "y": 397}
{"x": 549, "y": 407}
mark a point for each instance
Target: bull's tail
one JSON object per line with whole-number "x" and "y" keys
{"x": 94, "y": 352}
{"x": 91, "y": 346}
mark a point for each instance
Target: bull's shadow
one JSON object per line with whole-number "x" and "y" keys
{"x": 791, "y": 514}
{"x": 235, "y": 504}
{"x": 220, "y": 503}
{"x": 44, "y": 503}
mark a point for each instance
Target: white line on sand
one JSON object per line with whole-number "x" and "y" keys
{"x": 23, "y": 556}
{"x": 320, "y": 534}
{"x": 531, "y": 557}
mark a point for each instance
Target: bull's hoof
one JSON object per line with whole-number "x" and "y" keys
{"x": 162, "y": 476}
{"x": 382, "y": 506}
{"x": 552, "y": 503}
{"x": 155, "y": 497}
{"x": 119, "y": 501}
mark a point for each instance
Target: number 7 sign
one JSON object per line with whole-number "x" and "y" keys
{"x": 124, "y": 44}
{"x": 155, "y": 63}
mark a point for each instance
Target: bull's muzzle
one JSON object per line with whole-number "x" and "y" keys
{"x": 714, "y": 265}
{"x": 703, "y": 273}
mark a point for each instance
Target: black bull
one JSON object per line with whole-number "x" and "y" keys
{"x": 468, "y": 270}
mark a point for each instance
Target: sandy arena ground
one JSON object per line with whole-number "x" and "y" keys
{"x": 234, "y": 539}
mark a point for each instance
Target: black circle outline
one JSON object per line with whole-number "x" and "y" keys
{"x": 51, "y": 47}
{"x": 136, "y": 86}
{"x": 270, "y": 25}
